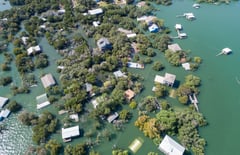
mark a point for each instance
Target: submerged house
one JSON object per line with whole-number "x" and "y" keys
{"x": 167, "y": 79}
{"x": 170, "y": 147}
{"x": 42, "y": 101}
{"x": 68, "y": 133}
{"x": 189, "y": 16}
{"x": 33, "y": 49}
{"x": 226, "y": 51}
{"x": 178, "y": 27}
{"x": 129, "y": 94}
{"x": 48, "y": 80}
{"x": 104, "y": 44}
{"x": 174, "y": 47}
{"x": 4, "y": 114}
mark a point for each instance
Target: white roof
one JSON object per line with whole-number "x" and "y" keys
{"x": 174, "y": 47}
{"x": 159, "y": 79}
{"x": 153, "y": 28}
{"x": 186, "y": 66}
{"x": 96, "y": 23}
{"x": 131, "y": 35}
{"x": 42, "y": 101}
{"x": 5, "y": 113}
{"x": 70, "y": 132}
{"x": 171, "y": 147}
{"x": 134, "y": 65}
{"x": 112, "y": 117}
{"x": 95, "y": 11}
{"x": 32, "y": 49}
{"x": 3, "y": 101}
{"x": 24, "y": 40}
{"x": 118, "y": 74}
{"x": 48, "y": 80}
{"x": 182, "y": 34}
{"x": 42, "y": 105}
{"x": 170, "y": 78}
{"x": 95, "y": 103}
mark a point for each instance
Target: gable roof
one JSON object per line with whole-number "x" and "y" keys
{"x": 32, "y": 49}
{"x": 171, "y": 147}
{"x": 129, "y": 94}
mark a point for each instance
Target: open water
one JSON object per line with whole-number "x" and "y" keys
{"x": 215, "y": 27}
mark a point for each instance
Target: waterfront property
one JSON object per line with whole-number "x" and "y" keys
{"x": 42, "y": 101}
{"x": 129, "y": 94}
{"x": 68, "y": 133}
{"x": 141, "y": 4}
{"x": 170, "y": 147}
{"x": 48, "y": 80}
{"x": 3, "y": 101}
{"x": 174, "y": 47}
{"x": 167, "y": 79}
{"x": 128, "y": 33}
{"x": 33, "y": 50}
{"x": 147, "y": 19}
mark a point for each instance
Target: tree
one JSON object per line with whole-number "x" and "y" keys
{"x": 183, "y": 99}
{"x": 160, "y": 90}
{"x": 80, "y": 149}
{"x": 157, "y": 66}
{"x": 192, "y": 81}
{"x": 133, "y": 104}
{"x": 53, "y": 146}
{"x": 124, "y": 114}
{"x": 13, "y": 106}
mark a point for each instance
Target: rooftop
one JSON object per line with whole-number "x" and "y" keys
{"x": 112, "y": 117}
{"x": 174, "y": 47}
{"x": 42, "y": 101}
{"x": 95, "y": 11}
{"x": 3, "y": 101}
{"x": 70, "y": 132}
{"x": 129, "y": 94}
{"x": 119, "y": 74}
{"x": 48, "y": 80}
{"x": 33, "y": 49}
{"x": 171, "y": 147}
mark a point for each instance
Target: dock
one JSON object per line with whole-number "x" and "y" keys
{"x": 194, "y": 101}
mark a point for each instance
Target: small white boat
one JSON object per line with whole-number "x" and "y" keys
{"x": 196, "y": 5}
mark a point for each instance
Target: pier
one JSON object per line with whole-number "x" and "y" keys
{"x": 194, "y": 101}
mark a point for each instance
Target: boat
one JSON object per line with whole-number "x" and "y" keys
{"x": 196, "y": 5}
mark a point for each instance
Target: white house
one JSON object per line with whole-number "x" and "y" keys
{"x": 119, "y": 74}
{"x": 170, "y": 147}
{"x": 70, "y": 132}
{"x": 112, "y": 117}
{"x": 178, "y": 26}
{"x": 189, "y": 16}
{"x": 33, "y": 49}
{"x": 186, "y": 66}
{"x": 226, "y": 50}
{"x": 96, "y": 23}
{"x": 24, "y": 40}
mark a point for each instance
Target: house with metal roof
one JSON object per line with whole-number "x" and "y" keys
{"x": 68, "y": 133}
{"x": 48, "y": 80}
{"x": 95, "y": 11}
{"x": 170, "y": 147}
{"x": 42, "y": 101}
